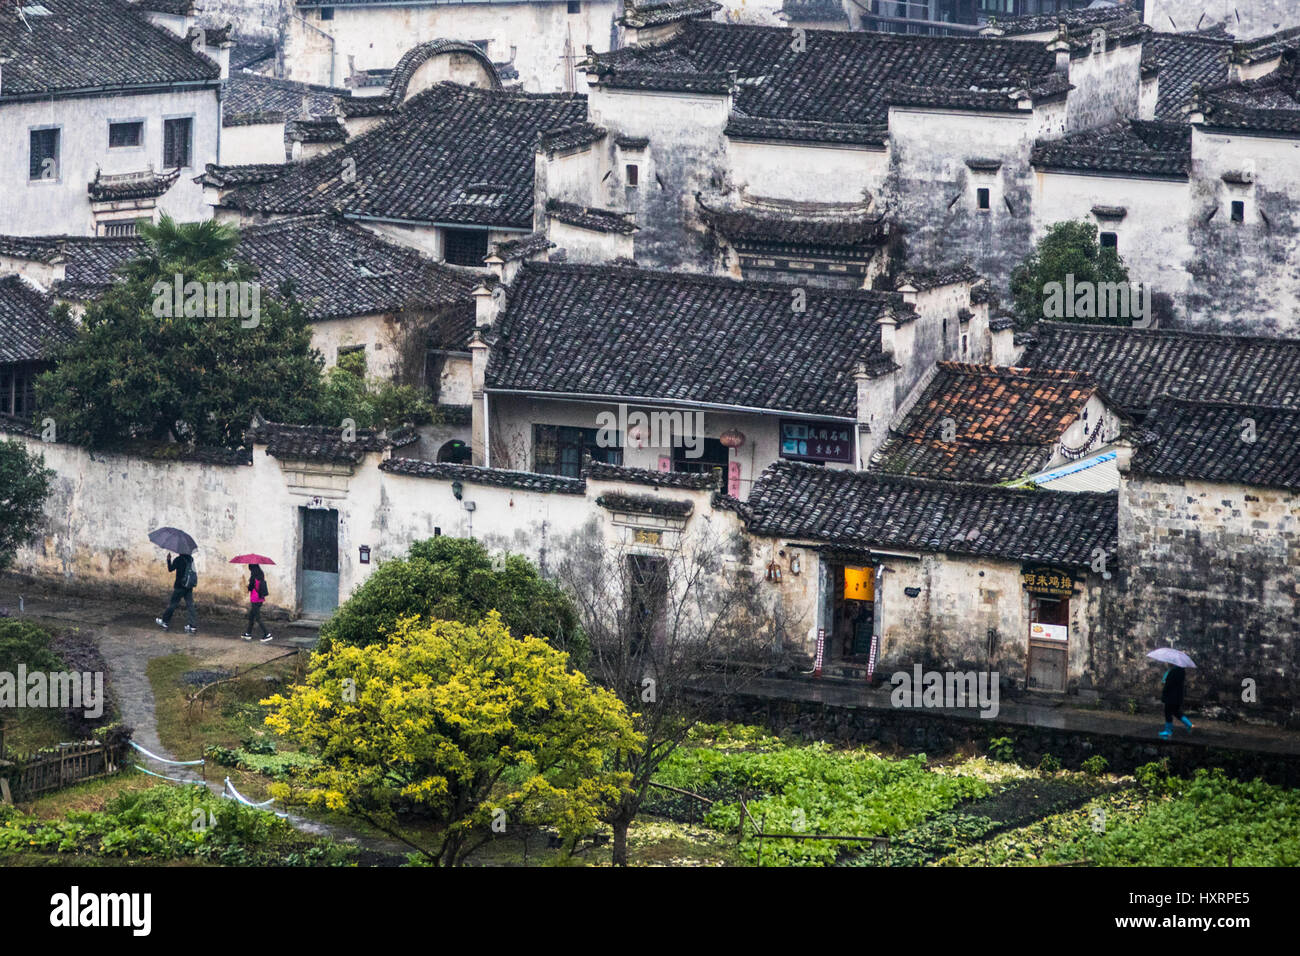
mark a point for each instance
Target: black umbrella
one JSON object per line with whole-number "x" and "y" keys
{"x": 173, "y": 539}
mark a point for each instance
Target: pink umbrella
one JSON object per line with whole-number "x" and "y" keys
{"x": 251, "y": 559}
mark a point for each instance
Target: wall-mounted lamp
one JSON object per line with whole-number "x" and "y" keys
{"x": 365, "y": 554}
{"x": 774, "y": 573}
{"x": 795, "y": 565}
{"x": 458, "y": 489}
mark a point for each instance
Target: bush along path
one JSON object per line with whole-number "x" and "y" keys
{"x": 127, "y": 651}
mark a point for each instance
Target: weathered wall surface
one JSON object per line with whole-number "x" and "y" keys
{"x": 62, "y": 206}
{"x": 542, "y": 38}
{"x": 934, "y": 195}
{"x": 1152, "y": 236}
{"x": 686, "y": 155}
{"x": 1245, "y": 276}
{"x": 1107, "y": 86}
{"x": 1244, "y": 18}
{"x": 1211, "y": 569}
{"x": 253, "y": 19}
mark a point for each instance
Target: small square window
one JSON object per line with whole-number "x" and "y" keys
{"x": 633, "y": 175}
{"x": 575, "y": 6}
{"x": 982, "y": 198}
{"x": 327, "y": 13}
{"x": 1238, "y": 211}
{"x": 125, "y": 135}
{"x": 1110, "y": 240}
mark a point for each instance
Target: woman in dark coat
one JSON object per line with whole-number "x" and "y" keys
{"x": 180, "y": 592}
{"x": 257, "y": 593}
{"x": 1175, "y": 681}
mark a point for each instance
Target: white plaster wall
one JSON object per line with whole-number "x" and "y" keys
{"x": 376, "y": 37}
{"x": 257, "y": 143}
{"x": 824, "y": 174}
{"x": 1152, "y": 237}
{"x": 589, "y": 246}
{"x": 62, "y": 206}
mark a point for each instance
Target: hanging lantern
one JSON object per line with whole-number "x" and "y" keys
{"x": 774, "y": 573}
{"x": 732, "y": 438}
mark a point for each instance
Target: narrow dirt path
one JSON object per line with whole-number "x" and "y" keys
{"x": 129, "y": 639}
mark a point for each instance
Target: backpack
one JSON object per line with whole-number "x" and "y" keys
{"x": 262, "y": 589}
{"x": 191, "y": 579}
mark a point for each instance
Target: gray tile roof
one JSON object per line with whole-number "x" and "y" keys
{"x": 660, "y": 12}
{"x": 840, "y": 226}
{"x": 474, "y": 474}
{"x": 1133, "y": 148}
{"x": 1205, "y": 441}
{"x": 861, "y": 509}
{"x": 317, "y": 442}
{"x": 590, "y": 217}
{"x": 841, "y": 78}
{"x": 1136, "y": 366}
{"x": 1084, "y": 18}
{"x": 1186, "y": 61}
{"x": 26, "y": 327}
{"x": 251, "y": 98}
{"x": 93, "y": 44}
{"x": 601, "y": 471}
{"x": 1268, "y": 105}
{"x": 337, "y": 269}
{"x": 634, "y": 333}
{"x": 433, "y": 161}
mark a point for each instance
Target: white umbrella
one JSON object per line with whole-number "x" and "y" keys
{"x": 1167, "y": 655}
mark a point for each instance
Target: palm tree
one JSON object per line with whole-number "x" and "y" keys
{"x": 171, "y": 246}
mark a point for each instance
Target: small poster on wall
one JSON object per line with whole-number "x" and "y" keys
{"x": 1048, "y": 632}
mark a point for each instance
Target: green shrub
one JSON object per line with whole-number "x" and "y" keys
{"x": 22, "y": 642}
{"x": 1095, "y": 765}
{"x": 1049, "y": 764}
{"x": 1003, "y": 749}
{"x": 454, "y": 579}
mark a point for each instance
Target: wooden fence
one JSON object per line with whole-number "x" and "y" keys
{"x": 28, "y": 777}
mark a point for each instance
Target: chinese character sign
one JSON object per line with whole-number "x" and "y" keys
{"x": 816, "y": 441}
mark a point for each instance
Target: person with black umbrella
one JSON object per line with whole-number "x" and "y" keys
{"x": 186, "y": 579}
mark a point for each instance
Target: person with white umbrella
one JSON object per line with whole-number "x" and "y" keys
{"x": 1175, "y": 684}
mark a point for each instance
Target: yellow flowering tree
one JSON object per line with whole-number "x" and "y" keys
{"x": 466, "y": 726}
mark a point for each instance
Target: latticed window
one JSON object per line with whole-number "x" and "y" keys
{"x": 44, "y": 155}
{"x": 125, "y": 135}
{"x": 558, "y": 450}
{"x": 176, "y": 143}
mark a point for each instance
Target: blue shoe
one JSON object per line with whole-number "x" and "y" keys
{"x": 1166, "y": 734}
{"x": 1188, "y": 723}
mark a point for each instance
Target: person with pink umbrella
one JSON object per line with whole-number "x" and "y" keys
{"x": 257, "y": 593}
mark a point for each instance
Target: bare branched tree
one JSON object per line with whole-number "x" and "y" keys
{"x": 663, "y": 623}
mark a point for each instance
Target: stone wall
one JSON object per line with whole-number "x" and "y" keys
{"x": 1213, "y": 570}
{"x": 941, "y": 734}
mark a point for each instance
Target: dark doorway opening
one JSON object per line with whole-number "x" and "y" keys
{"x": 647, "y": 601}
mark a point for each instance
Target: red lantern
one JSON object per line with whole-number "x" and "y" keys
{"x": 732, "y": 438}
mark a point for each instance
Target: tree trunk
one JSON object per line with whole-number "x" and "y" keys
{"x": 621, "y": 825}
